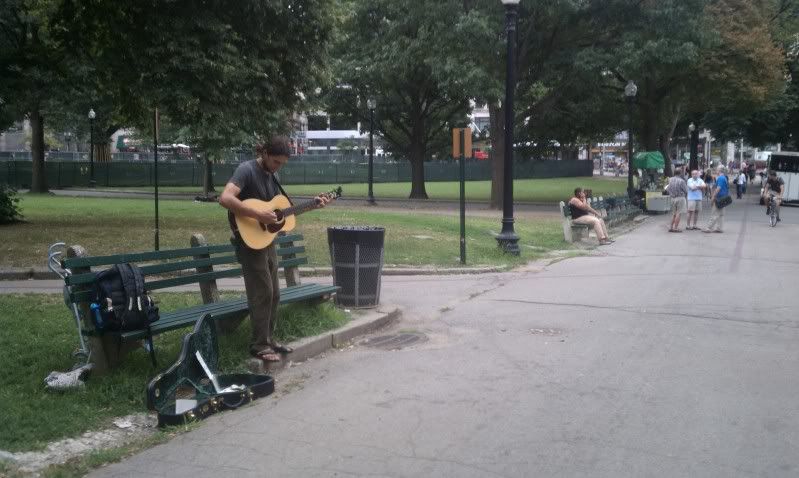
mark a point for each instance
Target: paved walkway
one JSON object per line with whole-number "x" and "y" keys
{"x": 661, "y": 355}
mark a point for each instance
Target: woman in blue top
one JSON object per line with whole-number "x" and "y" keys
{"x": 721, "y": 190}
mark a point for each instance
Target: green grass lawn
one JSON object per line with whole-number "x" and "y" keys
{"x": 524, "y": 190}
{"x": 39, "y": 336}
{"x": 112, "y": 226}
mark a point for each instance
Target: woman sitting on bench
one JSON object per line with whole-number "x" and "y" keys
{"x": 583, "y": 213}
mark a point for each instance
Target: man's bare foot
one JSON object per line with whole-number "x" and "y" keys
{"x": 267, "y": 355}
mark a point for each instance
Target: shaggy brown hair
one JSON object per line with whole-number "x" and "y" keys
{"x": 277, "y": 146}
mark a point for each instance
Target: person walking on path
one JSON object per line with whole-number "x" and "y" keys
{"x": 678, "y": 190}
{"x": 696, "y": 187}
{"x": 583, "y": 213}
{"x": 721, "y": 190}
{"x": 740, "y": 185}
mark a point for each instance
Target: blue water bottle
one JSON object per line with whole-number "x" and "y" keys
{"x": 98, "y": 318}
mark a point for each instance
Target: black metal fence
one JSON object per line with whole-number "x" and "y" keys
{"x": 66, "y": 174}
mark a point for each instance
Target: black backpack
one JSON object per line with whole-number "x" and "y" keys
{"x": 120, "y": 302}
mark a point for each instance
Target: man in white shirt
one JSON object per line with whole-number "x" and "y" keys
{"x": 741, "y": 186}
{"x": 695, "y": 188}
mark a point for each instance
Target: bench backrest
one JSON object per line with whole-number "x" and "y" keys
{"x": 181, "y": 263}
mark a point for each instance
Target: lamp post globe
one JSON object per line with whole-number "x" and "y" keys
{"x": 371, "y": 103}
{"x": 630, "y": 92}
{"x": 507, "y": 238}
{"x": 92, "y": 115}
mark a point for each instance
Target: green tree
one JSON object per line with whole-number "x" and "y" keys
{"x": 230, "y": 72}
{"x": 776, "y": 120}
{"x": 397, "y": 52}
{"x": 690, "y": 57}
{"x": 33, "y": 72}
{"x": 559, "y": 65}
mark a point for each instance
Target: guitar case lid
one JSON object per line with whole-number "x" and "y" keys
{"x": 184, "y": 392}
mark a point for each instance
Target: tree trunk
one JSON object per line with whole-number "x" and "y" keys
{"x": 39, "y": 174}
{"x": 102, "y": 152}
{"x": 570, "y": 153}
{"x": 669, "y": 133}
{"x": 649, "y": 128}
{"x": 497, "y": 130}
{"x": 418, "y": 190}
{"x": 665, "y": 150}
{"x": 208, "y": 179}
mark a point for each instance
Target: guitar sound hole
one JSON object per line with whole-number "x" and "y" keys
{"x": 273, "y": 228}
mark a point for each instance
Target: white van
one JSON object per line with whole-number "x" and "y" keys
{"x": 786, "y": 164}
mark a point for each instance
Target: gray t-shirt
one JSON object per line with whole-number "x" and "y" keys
{"x": 255, "y": 183}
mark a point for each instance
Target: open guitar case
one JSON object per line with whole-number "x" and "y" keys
{"x": 191, "y": 390}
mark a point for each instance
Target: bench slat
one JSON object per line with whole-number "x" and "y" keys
{"x": 288, "y": 238}
{"x": 286, "y": 251}
{"x": 186, "y": 265}
{"x": 192, "y": 279}
{"x": 72, "y": 262}
{"x": 84, "y": 295}
{"x": 88, "y": 277}
{"x": 185, "y": 317}
{"x": 297, "y": 261}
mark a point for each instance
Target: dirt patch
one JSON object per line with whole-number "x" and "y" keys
{"x": 123, "y": 431}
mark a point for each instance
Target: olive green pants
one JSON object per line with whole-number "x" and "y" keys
{"x": 259, "y": 268}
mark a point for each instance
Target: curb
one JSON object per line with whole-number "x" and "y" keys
{"x": 311, "y": 347}
{"x": 34, "y": 273}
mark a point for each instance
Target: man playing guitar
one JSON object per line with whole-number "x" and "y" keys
{"x": 255, "y": 179}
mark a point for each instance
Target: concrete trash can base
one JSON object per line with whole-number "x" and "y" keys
{"x": 356, "y": 255}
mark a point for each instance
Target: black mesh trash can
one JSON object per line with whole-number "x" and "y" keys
{"x": 356, "y": 254}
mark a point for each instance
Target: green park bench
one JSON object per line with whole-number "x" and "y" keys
{"x": 618, "y": 209}
{"x": 571, "y": 231}
{"x": 179, "y": 267}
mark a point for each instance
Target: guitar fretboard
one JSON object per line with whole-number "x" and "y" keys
{"x": 300, "y": 208}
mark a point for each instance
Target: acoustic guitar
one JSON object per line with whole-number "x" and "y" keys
{"x": 258, "y": 235}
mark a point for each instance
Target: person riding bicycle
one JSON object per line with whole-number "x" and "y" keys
{"x": 773, "y": 191}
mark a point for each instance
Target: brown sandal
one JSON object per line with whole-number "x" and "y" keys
{"x": 281, "y": 349}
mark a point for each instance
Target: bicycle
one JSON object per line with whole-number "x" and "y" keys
{"x": 771, "y": 210}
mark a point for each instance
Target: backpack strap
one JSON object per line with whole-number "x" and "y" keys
{"x": 133, "y": 282}
{"x": 138, "y": 278}
{"x": 129, "y": 284}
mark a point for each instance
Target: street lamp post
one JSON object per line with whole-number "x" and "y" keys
{"x": 92, "y": 115}
{"x": 693, "y": 134}
{"x": 507, "y": 238}
{"x": 630, "y": 90}
{"x": 371, "y": 104}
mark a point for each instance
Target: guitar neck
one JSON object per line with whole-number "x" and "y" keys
{"x": 300, "y": 208}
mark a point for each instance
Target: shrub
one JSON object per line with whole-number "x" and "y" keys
{"x": 9, "y": 209}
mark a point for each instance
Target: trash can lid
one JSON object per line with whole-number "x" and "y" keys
{"x": 363, "y": 235}
{"x": 356, "y": 228}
